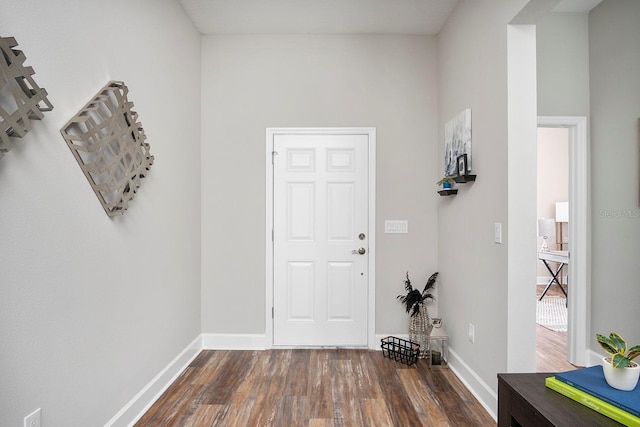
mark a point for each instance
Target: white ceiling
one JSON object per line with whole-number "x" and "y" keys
{"x": 332, "y": 16}
{"x": 319, "y": 16}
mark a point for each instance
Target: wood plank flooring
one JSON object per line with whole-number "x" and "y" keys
{"x": 315, "y": 388}
{"x": 551, "y": 346}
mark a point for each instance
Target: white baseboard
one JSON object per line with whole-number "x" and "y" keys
{"x": 258, "y": 341}
{"x": 377, "y": 345}
{"x": 481, "y": 390}
{"x": 142, "y": 401}
{"x": 234, "y": 342}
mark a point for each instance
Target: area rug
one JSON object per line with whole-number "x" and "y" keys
{"x": 552, "y": 313}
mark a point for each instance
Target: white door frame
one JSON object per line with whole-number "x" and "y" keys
{"x": 579, "y": 300}
{"x": 271, "y": 133}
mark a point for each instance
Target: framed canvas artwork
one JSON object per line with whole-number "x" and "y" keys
{"x": 457, "y": 139}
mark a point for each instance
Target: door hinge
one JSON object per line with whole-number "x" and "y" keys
{"x": 273, "y": 233}
{"x": 273, "y": 157}
{"x": 272, "y": 312}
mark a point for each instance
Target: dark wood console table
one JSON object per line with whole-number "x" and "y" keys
{"x": 523, "y": 401}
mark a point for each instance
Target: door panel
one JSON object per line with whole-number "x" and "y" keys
{"x": 320, "y": 208}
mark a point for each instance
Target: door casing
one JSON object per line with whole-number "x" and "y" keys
{"x": 270, "y": 134}
{"x": 579, "y": 299}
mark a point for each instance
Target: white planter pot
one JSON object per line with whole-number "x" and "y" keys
{"x": 621, "y": 378}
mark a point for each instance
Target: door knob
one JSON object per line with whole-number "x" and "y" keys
{"x": 360, "y": 251}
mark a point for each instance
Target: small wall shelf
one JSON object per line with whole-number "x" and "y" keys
{"x": 448, "y": 192}
{"x": 464, "y": 178}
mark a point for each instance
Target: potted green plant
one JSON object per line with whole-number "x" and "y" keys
{"x": 620, "y": 371}
{"x": 446, "y": 182}
{"x": 414, "y": 303}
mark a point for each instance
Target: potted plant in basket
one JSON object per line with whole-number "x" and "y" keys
{"x": 620, "y": 371}
{"x": 414, "y": 303}
{"x": 446, "y": 182}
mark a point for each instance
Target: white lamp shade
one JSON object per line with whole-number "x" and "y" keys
{"x": 546, "y": 227}
{"x": 562, "y": 211}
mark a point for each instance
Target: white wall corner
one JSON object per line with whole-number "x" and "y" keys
{"x": 234, "y": 342}
{"x": 141, "y": 402}
{"x": 472, "y": 381}
{"x": 521, "y": 200}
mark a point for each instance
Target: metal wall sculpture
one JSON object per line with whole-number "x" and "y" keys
{"x": 21, "y": 100}
{"x": 109, "y": 144}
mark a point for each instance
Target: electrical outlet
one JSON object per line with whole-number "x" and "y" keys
{"x": 33, "y": 419}
{"x": 472, "y": 333}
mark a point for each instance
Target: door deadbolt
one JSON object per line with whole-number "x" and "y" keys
{"x": 361, "y": 236}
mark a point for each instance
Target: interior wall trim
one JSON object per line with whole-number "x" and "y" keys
{"x": 142, "y": 401}
{"x": 579, "y": 300}
{"x": 234, "y": 342}
{"x": 472, "y": 381}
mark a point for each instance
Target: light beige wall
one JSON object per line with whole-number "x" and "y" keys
{"x": 615, "y": 108}
{"x": 92, "y": 308}
{"x": 553, "y": 182}
{"x": 251, "y": 83}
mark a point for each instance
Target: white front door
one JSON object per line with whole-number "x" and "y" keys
{"x": 320, "y": 253}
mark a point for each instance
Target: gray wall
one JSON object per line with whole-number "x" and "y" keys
{"x": 472, "y": 73}
{"x": 251, "y": 83}
{"x": 614, "y": 52}
{"x": 562, "y": 41}
{"x": 562, "y": 44}
{"x": 472, "y": 49}
{"x": 92, "y": 308}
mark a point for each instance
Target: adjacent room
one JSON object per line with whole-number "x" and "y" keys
{"x": 268, "y": 143}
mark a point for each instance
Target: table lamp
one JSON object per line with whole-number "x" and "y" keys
{"x": 546, "y": 229}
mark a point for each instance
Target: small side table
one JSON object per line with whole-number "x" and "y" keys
{"x": 562, "y": 258}
{"x": 438, "y": 349}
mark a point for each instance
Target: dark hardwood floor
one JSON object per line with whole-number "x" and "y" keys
{"x": 551, "y": 346}
{"x": 328, "y": 387}
{"x": 315, "y": 388}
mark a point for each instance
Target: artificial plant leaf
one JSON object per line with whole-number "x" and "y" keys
{"x": 407, "y": 284}
{"x": 633, "y": 352}
{"x": 619, "y": 361}
{"x": 431, "y": 282}
{"x": 618, "y": 342}
{"x": 606, "y": 344}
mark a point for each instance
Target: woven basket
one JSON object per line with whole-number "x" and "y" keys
{"x": 420, "y": 329}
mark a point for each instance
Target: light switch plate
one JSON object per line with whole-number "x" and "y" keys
{"x": 33, "y": 419}
{"x": 396, "y": 226}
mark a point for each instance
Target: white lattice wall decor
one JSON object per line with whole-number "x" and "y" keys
{"x": 109, "y": 144}
{"x": 21, "y": 100}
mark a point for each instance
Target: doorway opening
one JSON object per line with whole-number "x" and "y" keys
{"x": 574, "y": 235}
{"x": 553, "y": 239}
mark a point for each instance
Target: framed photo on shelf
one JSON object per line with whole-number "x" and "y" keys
{"x": 462, "y": 165}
